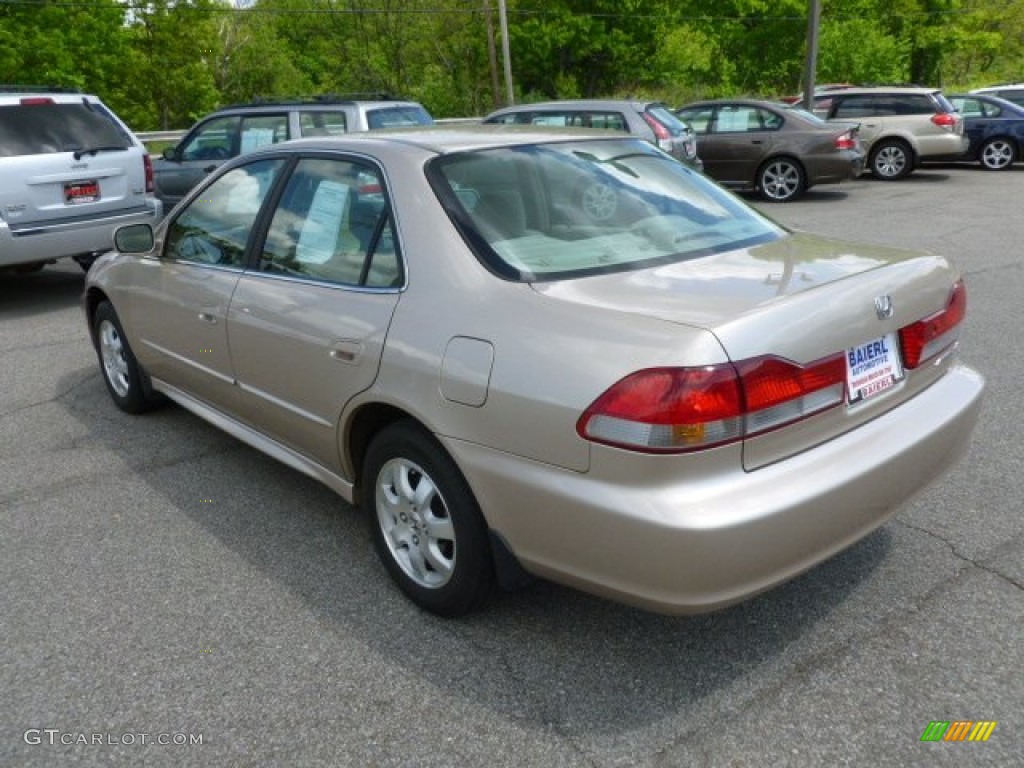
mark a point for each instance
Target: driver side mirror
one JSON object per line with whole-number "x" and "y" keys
{"x": 170, "y": 153}
{"x": 134, "y": 238}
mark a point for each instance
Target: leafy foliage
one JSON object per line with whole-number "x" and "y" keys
{"x": 163, "y": 63}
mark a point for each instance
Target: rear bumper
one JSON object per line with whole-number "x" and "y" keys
{"x": 49, "y": 241}
{"x": 698, "y": 541}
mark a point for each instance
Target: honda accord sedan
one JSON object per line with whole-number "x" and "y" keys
{"x": 545, "y": 354}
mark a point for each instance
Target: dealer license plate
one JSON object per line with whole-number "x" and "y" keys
{"x": 79, "y": 192}
{"x": 873, "y": 368}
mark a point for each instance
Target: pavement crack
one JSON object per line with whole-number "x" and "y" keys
{"x": 962, "y": 557}
{"x": 54, "y": 398}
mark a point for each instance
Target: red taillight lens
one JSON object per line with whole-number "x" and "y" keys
{"x": 846, "y": 141}
{"x": 923, "y": 340}
{"x": 147, "y": 164}
{"x": 35, "y": 101}
{"x": 944, "y": 119}
{"x": 660, "y": 131}
{"x": 673, "y": 410}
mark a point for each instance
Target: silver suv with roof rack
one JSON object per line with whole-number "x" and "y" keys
{"x": 237, "y": 129}
{"x": 70, "y": 173}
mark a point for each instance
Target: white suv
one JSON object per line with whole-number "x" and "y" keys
{"x": 70, "y": 174}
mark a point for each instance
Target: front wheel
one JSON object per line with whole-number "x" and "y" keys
{"x": 891, "y": 159}
{"x": 121, "y": 372}
{"x": 427, "y": 526}
{"x": 781, "y": 180}
{"x": 997, "y": 154}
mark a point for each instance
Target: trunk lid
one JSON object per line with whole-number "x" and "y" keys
{"x": 802, "y": 298}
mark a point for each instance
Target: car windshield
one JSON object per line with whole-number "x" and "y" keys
{"x": 560, "y": 210}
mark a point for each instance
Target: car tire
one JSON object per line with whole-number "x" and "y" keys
{"x": 997, "y": 154}
{"x": 427, "y": 526}
{"x": 125, "y": 380}
{"x": 781, "y": 179}
{"x": 891, "y": 159}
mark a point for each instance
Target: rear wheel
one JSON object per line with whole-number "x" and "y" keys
{"x": 891, "y": 159}
{"x": 781, "y": 180}
{"x": 121, "y": 372}
{"x": 427, "y": 526}
{"x": 997, "y": 154}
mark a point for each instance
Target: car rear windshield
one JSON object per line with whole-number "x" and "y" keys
{"x": 397, "y": 117}
{"x": 664, "y": 115}
{"x": 561, "y": 210}
{"x": 38, "y": 127}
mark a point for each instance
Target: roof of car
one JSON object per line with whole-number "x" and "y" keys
{"x": 897, "y": 89}
{"x": 447, "y": 139}
{"x": 741, "y": 100}
{"x": 577, "y": 104}
{"x": 326, "y": 101}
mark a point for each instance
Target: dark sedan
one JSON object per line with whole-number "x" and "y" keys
{"x": 776, "y": 149}
{"x": 995, "y": 128}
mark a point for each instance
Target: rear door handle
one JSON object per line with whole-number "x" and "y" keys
{"x": 206, "y": 317}
{"x": 347, "y": 351}
{"x": 210, "y": 169}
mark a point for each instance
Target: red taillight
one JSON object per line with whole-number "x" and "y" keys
{"x": 660, "y": 131}
{"x": 846, "y": 141}
{"x": 923, "y": 340}
{"x": 673, "y": 410}
{"x": 147, "y": 164}
{"x": 945, "y": 120}
{"x": 35, "y": 101}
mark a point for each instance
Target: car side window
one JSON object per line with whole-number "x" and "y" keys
{"x": 699, "y": 119}
{"x": 613, "y": 121}
{"x": 333, "y": 224}
{"x": 855, "y": 106}
{"x": 322, "y": 123}
{"x": 738, "y": 119}
{"x": 556, "y": 119}
{"x": 260, "y": 130}
{"x": 214, "y": 140}
{"x": 215, "y": 227}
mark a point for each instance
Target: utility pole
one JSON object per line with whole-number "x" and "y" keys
{"x": 813, "y": 23}
{"x": 505, "y": 56}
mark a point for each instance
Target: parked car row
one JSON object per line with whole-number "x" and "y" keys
{"x": 72, "y": 171}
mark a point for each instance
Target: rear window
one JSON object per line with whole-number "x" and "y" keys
{"x": 397, "y": 117}
{"x": 47, "y": 128}
{"x": 664, "y": 115}
{"x": 571, "y": 209}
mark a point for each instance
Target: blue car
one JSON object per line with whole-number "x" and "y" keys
{"x": 995, "y": 128}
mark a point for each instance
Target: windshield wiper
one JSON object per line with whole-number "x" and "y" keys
{"x": 93, "y": 150}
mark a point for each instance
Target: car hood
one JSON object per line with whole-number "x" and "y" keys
{"x": 799, "y": 296}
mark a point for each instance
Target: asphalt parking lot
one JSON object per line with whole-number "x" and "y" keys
{"x": 174, "y": 598}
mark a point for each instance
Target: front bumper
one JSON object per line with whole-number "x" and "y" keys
{"x": 690, "y": 541}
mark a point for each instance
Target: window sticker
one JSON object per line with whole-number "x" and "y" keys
{"x": 319, "y": 237}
